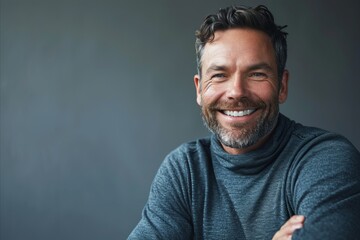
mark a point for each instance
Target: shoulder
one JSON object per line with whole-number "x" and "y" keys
{"x": 316, "y": 140}
{"x": 325, "y": 153}
{"x": 323, "y": 157}
{"x": 189, "y": 152}
{"x": 187, "y": 158}
{"x": 302, "y": 143}
{"x": 179, "y": 171}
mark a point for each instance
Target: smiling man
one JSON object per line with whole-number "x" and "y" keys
{"x": 260, "y": 175}
{"x": 240, "y": 91}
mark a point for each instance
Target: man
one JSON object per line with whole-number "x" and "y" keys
{"x": 260, "y": 175}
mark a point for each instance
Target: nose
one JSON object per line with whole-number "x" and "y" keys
{"x": 237, "y": 88}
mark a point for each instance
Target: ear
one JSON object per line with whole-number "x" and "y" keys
{"x": 198, "y": 89}
{"x": 283, "y": 92}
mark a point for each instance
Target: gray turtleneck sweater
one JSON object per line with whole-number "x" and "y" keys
{"x": 202, "y": 192}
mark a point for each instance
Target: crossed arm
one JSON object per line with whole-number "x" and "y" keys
{"x": 287, "y": 230}
{"x": 325, "y": 196}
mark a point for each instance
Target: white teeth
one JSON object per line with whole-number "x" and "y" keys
{"x": 239, "y": 113}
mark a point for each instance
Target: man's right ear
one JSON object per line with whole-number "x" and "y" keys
{"x": 198, "y": 89}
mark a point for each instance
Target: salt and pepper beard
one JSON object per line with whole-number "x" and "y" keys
{"x": 244, "y": 136}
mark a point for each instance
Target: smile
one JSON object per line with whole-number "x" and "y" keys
{"x": 239, "y": 113}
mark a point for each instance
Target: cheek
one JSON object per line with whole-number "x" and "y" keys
{"x": 212, "y": 94}
{"x": 266, "y": 92}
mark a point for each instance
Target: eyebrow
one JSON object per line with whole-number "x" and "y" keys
{"x": 215, "y": 67}
{"x": 261, "y": 65}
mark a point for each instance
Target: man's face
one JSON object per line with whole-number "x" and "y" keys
{"x": 239, "y": 90}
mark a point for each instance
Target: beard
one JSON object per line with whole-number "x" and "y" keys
{"x": 242, "y": 135}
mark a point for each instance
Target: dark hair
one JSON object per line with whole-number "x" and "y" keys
{"x": 259, "y": 18}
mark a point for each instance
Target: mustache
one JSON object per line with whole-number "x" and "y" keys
{"x": 242, "y": 103}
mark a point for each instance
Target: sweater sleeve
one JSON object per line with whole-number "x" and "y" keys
{"x": 166, "y": 214}
{"x": 326, "y": 189}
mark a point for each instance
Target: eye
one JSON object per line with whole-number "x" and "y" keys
{"x": 218, "y": 76}
{"x": 258, "y": 76}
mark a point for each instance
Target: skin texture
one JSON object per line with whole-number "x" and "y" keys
{"x": 239, "y": 72}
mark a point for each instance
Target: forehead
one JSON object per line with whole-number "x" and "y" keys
{"x": 239, "y": 47}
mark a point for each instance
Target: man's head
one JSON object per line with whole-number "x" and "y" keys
{"x": 259, "y": 18}
{"x": 240, "y": 83}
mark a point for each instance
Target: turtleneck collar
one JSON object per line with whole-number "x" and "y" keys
{"x": 254, "y": 161}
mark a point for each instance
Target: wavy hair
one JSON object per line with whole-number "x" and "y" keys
{"x": 258, "y": 18}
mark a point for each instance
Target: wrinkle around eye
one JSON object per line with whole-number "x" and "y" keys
{"x": 207, "y": 84}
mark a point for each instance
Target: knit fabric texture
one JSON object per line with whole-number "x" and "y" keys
{"x": 202, "y": 192}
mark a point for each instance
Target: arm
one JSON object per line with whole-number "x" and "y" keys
{"x": 325, "y": 188}
{"x": 167, "y": 213}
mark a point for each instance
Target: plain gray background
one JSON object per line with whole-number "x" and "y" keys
{"x": 94, "y": 94}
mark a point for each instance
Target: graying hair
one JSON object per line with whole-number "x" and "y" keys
{"x": 258, "y": 18}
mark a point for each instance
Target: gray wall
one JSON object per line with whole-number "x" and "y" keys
{"x": 94, "y": 94}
